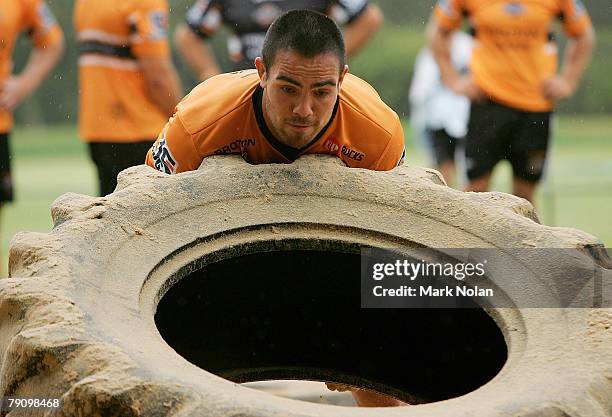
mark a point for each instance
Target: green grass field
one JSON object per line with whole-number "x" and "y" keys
{"x": 49, "y": 161}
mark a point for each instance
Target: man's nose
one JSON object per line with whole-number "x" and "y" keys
{"x": 303, "y": 107}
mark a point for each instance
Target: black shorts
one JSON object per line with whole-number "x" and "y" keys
{"x": 6, "y": 182}
{"x": 112, "y": 158}
{"x": 497, "y": 132}
{"x": 443, "y": 146}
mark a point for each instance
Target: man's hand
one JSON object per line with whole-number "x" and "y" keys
{"x": 465, "y": 86}
{"x": 577, "y": 55}
{"x": 12, "y": 93}
{"x": 365, "y": 397}
{"x": 556, "y": 88}
{"x": 333, "y": 386}
{"x": 17, "y": 88}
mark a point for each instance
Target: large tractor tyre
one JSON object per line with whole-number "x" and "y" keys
{"x": 157, "y": 299}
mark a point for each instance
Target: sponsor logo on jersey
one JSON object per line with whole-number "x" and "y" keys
{"x": 351, "y": 153}
{"x": 159, "y": 24}
{"x": 514, "y": 8}
{"x": 163, "y": 160}
{"x": 331, "y": 145}
{"x": 237, "y": 146}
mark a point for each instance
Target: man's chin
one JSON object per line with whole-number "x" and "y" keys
{"x": 298, "y": 140}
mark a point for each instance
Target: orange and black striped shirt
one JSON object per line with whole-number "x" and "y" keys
{"x": 512, "y": 54}
{"x": 223, "y": 115}
{"x": 112, "y": 35}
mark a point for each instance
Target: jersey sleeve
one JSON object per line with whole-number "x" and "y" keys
{"x": 395, "y": 151}
{"x": 174, "y": 150}
{"x": 448, "y": 13}
{"x": 576, "y": 19}
{"x": 345, "y": 11}
{"x": 204, "y": 18}
{"x": 41, "y": 24}
{"x": 149, "y": 26}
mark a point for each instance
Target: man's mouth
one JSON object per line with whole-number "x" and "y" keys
{"x": 299, "y": 126}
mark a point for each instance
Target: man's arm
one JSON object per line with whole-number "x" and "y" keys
{"x": 41, "y": 61}
{"x": 365, "y": 397}
{"x": 196, "y": 53}
{"x": 163, "y": 84}
{"x": 439, "y": 40}
{"x": 576, "y": 58}
{"x": 362, "y": 29}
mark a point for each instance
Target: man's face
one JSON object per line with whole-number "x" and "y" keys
{"x": 299, "y": 94}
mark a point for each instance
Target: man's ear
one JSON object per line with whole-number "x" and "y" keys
{"x": 342, "y": 74}
{"x": 261, "y": 70}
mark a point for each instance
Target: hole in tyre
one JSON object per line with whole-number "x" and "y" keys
{"x": 296, "y": 315}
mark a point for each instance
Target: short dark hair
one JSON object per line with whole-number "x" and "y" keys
{"x": 306, "y": 32}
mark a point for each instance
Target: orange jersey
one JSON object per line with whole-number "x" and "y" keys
{"x": 223, "y": 115}
{"x": 16, "y": 16}
{"x": 112, "y": 35}
{"x": 512, "y": 55}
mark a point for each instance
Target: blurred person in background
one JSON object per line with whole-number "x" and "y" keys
{"x": 36, "y": 19}
{"x": 438, "y": 115}
{"x": 128, "y": 86}
{"x": 513, "y": 84}
{"x": 249, "y": 20}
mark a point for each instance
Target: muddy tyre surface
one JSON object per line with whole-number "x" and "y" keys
{"x": 77, "y": 313}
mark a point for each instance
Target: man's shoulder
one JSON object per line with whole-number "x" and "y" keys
{"x": 216, "y": 98}
{"x": 361, "y": 101}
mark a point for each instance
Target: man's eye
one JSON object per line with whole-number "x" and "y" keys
{"x": 288, "y": 90}
{"x": 322, "y": 93}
